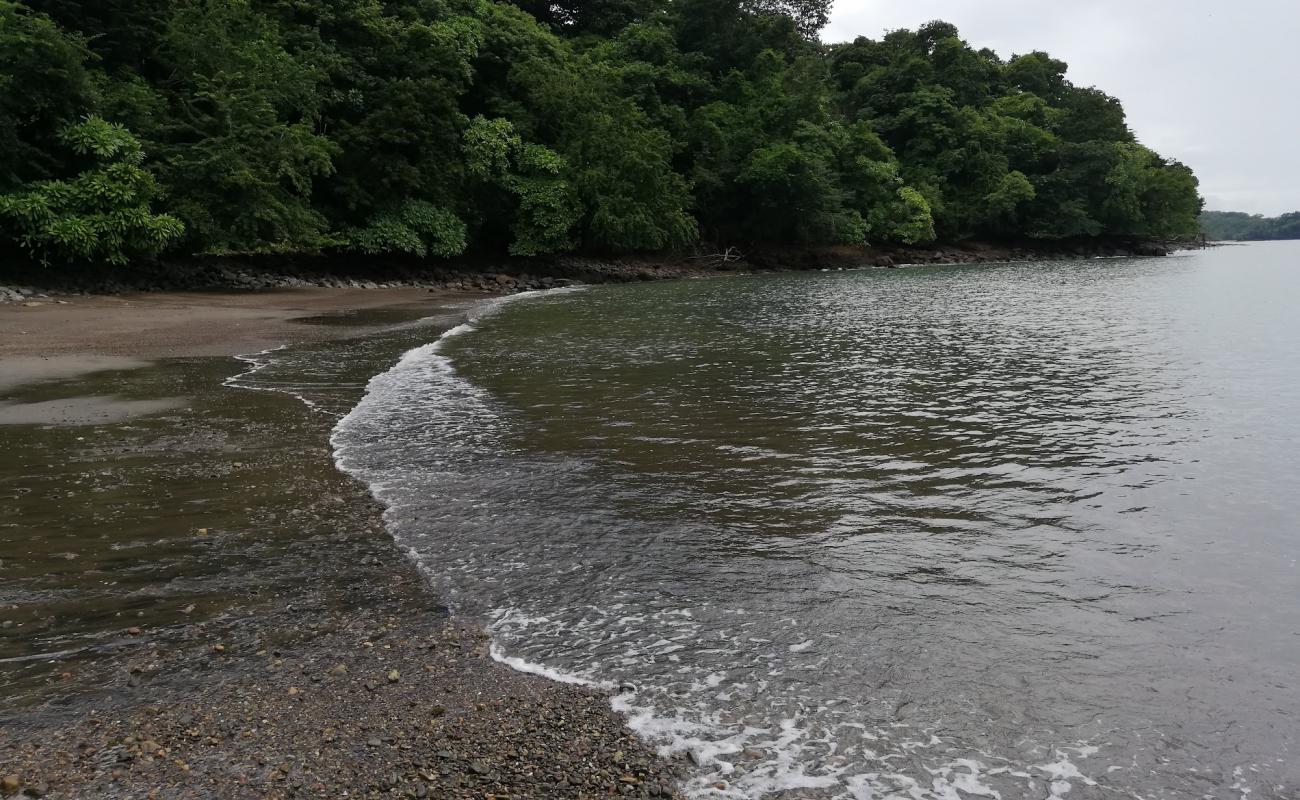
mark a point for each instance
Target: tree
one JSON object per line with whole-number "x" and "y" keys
{"x": 545, "y": 207}
{"x": 809, "y": 16}
{"x": 239, "y": 151}
{"x": 1235, "y": 225}
{"x": 391, "y": 77}
{"x": 415, "y": 227}
{"x": 595, "y": 17}
{"x": 44, "y": 86}
{"x": 432, "y": 128}
{"x": 103, "y": 213}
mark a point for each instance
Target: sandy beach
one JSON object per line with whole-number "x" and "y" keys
{"x": 212, "y": 610}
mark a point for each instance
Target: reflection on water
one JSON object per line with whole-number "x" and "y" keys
{"x": 1004, "y": 531}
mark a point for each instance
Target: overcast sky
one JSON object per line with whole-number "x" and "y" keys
{"x": 1214, "y": 84}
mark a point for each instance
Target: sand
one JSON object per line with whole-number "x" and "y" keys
{"x": 327, "y": 669}
{"x": 47, "y": 341}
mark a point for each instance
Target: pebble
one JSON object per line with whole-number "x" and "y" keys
{"x": 233, "y": 724}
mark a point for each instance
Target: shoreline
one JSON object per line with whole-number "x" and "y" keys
{"x": 34, "y": 287}
{"x": 202, "y": 666}
{"x": 346, "y": 676}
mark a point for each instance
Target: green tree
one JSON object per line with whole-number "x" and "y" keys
{"x": 44, "y": 85}
{"x": 435, "y": 127}
{"x": 103, "y": 213}
{"x": 392, "y": 76}
{"x": 1236, "y": 225}
{"x": 544, "y": 207}
{"x": 239, "y": 151}
{"x": 416, "y": 227}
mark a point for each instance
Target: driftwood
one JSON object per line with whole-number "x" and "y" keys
{"x": 728, "y": 256}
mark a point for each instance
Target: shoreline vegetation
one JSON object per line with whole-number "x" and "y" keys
{"x": 1237, "y": 226}
{"x": 443, "y": 129}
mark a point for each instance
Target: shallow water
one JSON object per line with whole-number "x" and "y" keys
{"x": 942, "y": 532}
{"x": 214, "y": 506}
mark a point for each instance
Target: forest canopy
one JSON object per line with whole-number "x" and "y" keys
{"x": 1242, "y": 227}
{"x": 438, "y": 127}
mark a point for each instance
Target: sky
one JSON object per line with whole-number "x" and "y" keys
{"x": 1215, "y": 85}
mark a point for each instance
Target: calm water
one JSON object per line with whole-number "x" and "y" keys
{"x": 1011, "y": 531}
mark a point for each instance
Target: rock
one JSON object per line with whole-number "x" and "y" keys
{"x": 134, "y": 631}
{"x": 10, "y": 784}
{"x": 394, "y": 676}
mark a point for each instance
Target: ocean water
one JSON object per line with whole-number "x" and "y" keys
{"x": 1022, "y": 530}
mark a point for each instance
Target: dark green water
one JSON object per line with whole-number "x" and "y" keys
{"x": 1017, "y": 531}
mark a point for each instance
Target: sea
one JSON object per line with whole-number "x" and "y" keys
{"x": 1022, "y": 530}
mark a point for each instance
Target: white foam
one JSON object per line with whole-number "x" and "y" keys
{"x": 530, "y": 668}
{"x": 257, "y": 362}
{"x": 760, "y": 741}
{"x": 414, "y": 362}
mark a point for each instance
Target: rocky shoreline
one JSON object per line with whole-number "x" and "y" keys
{"x": 375, "y": 704}
{"x": 290, "y": 650}
{"x": 245, "y": 273}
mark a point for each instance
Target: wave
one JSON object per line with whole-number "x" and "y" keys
{"x": 809, "y": 667}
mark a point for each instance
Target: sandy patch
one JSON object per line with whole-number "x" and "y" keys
{"x": 91, "y": 410}
{"x": 19, "y": 370}
{"x": 182, "y": 324}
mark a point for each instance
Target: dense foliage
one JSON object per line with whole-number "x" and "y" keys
{"x": 432, "y": 127}
{"x": 1241, "y": 227}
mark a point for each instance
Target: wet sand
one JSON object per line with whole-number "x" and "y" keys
{"x": 196, "y": 603}
{"x": 55, "y": 339}
{"x": 163, "y": 324}
{"x": 58, "y": 340}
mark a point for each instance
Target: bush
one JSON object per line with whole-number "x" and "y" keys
{"x": 101, "y": 214}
